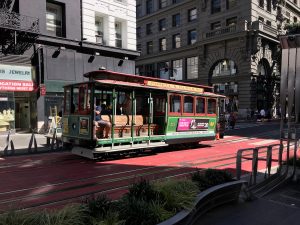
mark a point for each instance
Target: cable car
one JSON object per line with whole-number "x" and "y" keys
{"x": 120, "y": 113}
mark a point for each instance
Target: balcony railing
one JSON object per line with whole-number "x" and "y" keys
{"x": 18, "y": 22}
{"x": 259, "y": 25}
{"x": 222, "y": 31}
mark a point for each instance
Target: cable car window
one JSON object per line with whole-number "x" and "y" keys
{"x": 188, "y": 104}
{"x": 211, "y": 106}
{"x": 175, "y": 103}
{"x": 74, "y": 106}
{"x": 84, "y": 98}
{"x": 200, "y": 105}
{"x": 159, "y": 105}
{"x": 67, "y": 106}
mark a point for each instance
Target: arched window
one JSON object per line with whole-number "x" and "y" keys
{"x": 224, "y": 68}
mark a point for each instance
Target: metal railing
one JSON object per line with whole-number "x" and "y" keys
{"x": 254, "y": 155}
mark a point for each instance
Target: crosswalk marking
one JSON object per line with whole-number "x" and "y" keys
{"x": 264, "y": 142}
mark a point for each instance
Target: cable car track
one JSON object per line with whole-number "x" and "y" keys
{"x": 127, "y": 178}
{"x": 115, "y": 178}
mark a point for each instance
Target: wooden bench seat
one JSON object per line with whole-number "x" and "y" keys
{"x": 141, "y": 127}
{"x": 122, "y": 126}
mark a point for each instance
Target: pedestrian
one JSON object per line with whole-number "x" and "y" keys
{"x": 232, "y": 120}
{"x": 262, "y": 114}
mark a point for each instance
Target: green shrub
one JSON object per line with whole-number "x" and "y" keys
{"x": 210, "y": 178}
{"x": 111, "y": 218}
{"x": 142, "y": 190}
{"x": 71, "y": 214}
{"x": 177, "y": 194}
{"x": 19, "y": 218}
{"x": 136, "y": 211}
{"x": 98, "y": 206}
{"x": 146, "y": 204}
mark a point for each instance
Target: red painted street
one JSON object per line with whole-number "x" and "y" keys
{"x": 54, "y": 179}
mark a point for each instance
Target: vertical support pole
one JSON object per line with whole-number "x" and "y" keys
{"x": 254, "y": 164}
{"x": 133, "y": 112}
{"x": 114, "y": 112}
{"x": 269, "y": 160}
{"x": 239, "y": 164}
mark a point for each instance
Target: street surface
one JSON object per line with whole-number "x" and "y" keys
{"x": 54, "y": 179}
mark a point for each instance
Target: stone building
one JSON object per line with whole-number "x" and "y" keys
{"x": 48, "y": 44}
{"x": 229, "y": 44}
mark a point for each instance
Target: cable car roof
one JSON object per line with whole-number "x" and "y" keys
{"x": 107, "y": 74}
{"x": 165, "y": 88}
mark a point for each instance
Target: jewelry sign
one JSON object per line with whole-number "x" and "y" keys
{"x": 16, "y": 78}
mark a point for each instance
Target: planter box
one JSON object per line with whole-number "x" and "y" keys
{"x": 207, "y": 200}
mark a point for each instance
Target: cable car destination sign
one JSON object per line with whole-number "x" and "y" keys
{"x": 173, "y": 86}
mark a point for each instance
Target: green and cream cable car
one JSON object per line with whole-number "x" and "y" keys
{"x": 138, "y": 112}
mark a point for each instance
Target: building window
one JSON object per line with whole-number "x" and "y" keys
{"x": 231, "y": 3}
{"x": 176, "y": 1}
{"x": 138, "y": 11}
{"x": 192, "y": 67}
{"x": 177, "y": 71}
{"x": 215, "y": 6}
{"x": 295, "y": 19}
{"x": 162, "y": 25}
{"x": 192, "y": 37}
{"x": 149, "y": 6}
{"x": 99, "y": 30}
{"x": 261, "y": 3}
{"x": 269, "y": 5}
{"x": 192, "y": 14}
{"x": 149, "y": 47}
{"x": 139, "y": 70}
{"x": 118, "y": 34}
{"x": 176, "y": 41}
{"x": 269, "y": 23}
{"x": 162, "y": 44}
{"x": 215, "y": 26}
{"x": 138, "y": 32}
{"x": 163, "y": 70}
{"x": 149, "y": 70}
{"x": 224, "y": 68}
{"x": 231, "y": 21}
{"x": 149, "y": 28}
{"x": 54, "y": 19}
{"x": 162, "y": 4}
{"x": 261, "y": 19}
{"x": 176, "y": 20}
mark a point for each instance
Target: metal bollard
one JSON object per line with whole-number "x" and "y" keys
{"x": 32, "y": 141}
{"x": 9, "y": 142}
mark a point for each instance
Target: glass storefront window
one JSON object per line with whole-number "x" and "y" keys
{"x": 7, "y": 111}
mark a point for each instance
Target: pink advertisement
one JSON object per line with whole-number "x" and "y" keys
{"x": 189, "y": 124}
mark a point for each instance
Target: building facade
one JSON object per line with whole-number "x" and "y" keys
{"x": 229, "y": 44}
{"x": 54, "y": 43}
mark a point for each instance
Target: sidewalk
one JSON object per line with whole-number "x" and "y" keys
{"x": 281, "y": 207}
{"x": 21, "y": 143}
